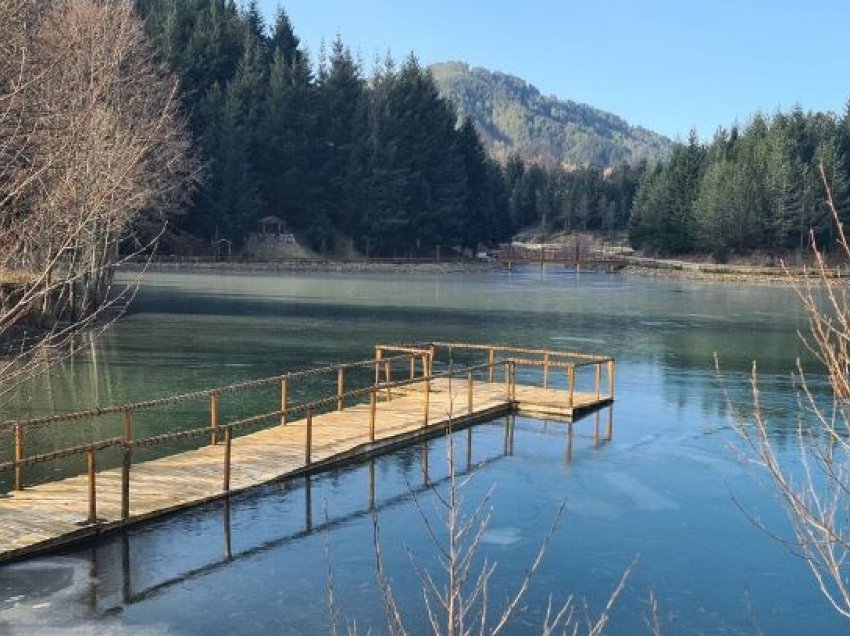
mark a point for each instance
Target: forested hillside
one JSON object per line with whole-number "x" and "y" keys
{"x": 756, "y": 188}
{"x": 513, "y": 117}
{"x": 379, "y": 162}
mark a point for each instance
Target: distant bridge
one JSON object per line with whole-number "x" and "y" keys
{"x": 575, "y": 256}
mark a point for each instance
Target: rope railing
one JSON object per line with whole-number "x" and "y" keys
{"x": 590, "y": 358}
{"x": 223, "y": 432}
{"x": 11, "y": 425}
{"x": 548, "y": 359}
{"x": 165, "y": 438}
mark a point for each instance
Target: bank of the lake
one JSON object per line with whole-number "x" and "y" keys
{"x": 674, "y": 269}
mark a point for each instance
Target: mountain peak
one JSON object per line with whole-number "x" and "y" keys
{"x": 512, "y": 115}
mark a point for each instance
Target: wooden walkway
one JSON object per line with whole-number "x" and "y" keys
{"x": 43, "y": 516}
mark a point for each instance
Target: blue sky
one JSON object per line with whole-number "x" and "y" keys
{"x": 668, "y": 65}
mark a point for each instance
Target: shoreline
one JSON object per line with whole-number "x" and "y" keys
{"x": 328, "y": 266}
{"x": 633, "y": 266}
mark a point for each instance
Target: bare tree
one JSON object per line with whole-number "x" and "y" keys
{"x": 92, "y": 149}
{"x": 814, "y": 484}
{"x": 457, "y": 597}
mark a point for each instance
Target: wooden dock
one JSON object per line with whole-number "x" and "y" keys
{"x": 436, "y": 395}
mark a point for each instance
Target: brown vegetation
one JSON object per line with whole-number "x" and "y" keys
{"x": 92, "y": 152}
{"x": 814, "y": 484}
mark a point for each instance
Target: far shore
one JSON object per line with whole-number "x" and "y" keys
{"x": 636, "y": 266}
{"x": 330, "y": 266}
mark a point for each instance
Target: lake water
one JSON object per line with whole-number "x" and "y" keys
{"x": 667, "y": 489}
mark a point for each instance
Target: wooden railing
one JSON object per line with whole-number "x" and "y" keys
{"x": 219, "y": 432}
{"x": 17, "y": 429}
{"x": 422, "y": 365}
{"x": 547, "y": 360}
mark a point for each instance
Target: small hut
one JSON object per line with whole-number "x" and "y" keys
{"x": 271, "y": 225}
{"x": 273, "y": 228}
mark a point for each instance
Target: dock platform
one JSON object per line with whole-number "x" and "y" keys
{"x": 444, "y": 388}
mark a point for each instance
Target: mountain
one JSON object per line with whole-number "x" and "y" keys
{"x": 512, "y": 115}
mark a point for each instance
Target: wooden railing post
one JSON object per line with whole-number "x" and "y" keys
{"x": 19, "y": 457}
{"x": 214, "y": 417}
{"x": 92, "y": 487}
{"x": 432, "y": 353}
{"x": 340, "y": 388}
{"x": 491, "y": 361}
{"x": 379, "y": 355}
{"x": 546, "y": 371}
{"x": 308, "y": 442}
{"x": 284, "y": 399}
{"x": 388, "y": 378}
{"x": 508, "y": 379}
{"x": 469, "y": 392}
{"x": 611, "y": 379}
{"x": 228, "y": 437}
{"x": 126, "y": 464}
{"x": 128, "y": 423}
{"x": 571, "y": 382}
{"x": 412, "y": 366}
{"x": 513, "y": 381}
{"x": 373, "y": 407}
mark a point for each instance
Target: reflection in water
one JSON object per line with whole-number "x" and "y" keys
{"x": 101, "y": 557}
{"x": 426, "y": 480}
{"x": 598, "y": 440}
{"x": 228, "y": 543}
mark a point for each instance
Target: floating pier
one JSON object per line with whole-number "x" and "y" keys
{"x": 404, "y": 394}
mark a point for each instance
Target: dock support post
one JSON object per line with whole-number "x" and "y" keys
{"x": 546, "y": 371}
{"x": 92, "y": 469}
{"x": 228, "y": 439}
{"x": 469, "y": 392}
{"x": 284, "y": 398}
{"x": 491, "y": 362}
{"x": 611, "y": 379}
{"x": 308, "y": 443}
{"x": 126, "y": 463}
{"x": 214, "y": 417}
{"x": 373, "y": 406}
{"x": 340, "y": 388}
{"x": 19, "y": 457}
{"x": 571, "y": 384}
{"x": 598, "y": 380}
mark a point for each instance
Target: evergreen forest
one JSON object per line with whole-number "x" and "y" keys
{"x": 380, "y": 162}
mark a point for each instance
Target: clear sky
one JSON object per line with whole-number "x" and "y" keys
{"x": 668, "y": 65}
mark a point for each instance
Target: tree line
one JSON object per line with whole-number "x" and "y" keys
{"x": 756, "y": 188}
{"x": 381, "y": 161}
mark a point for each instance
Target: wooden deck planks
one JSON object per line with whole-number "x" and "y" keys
{"x": 50, "y": 514}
